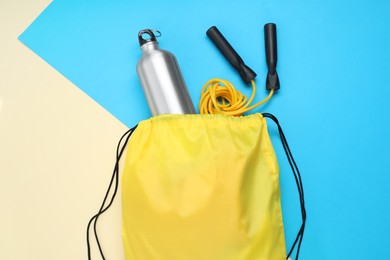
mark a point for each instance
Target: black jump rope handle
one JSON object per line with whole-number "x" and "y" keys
{"x": 246, "y": 73}
{"x": 271, "y": 54}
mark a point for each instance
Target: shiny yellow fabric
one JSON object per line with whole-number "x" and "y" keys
{"x": 202, "y": 187}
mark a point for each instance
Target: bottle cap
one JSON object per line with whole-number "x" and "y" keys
{"x": 150, "y": 32}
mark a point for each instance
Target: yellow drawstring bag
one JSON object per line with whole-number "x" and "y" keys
{"x": 202, "y": 187}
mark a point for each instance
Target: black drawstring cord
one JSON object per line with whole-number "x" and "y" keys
{"x": 115, "y": 178}
{"x": 298, "y": 180}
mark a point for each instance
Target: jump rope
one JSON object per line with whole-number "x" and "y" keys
{"x": 219, "y": 96}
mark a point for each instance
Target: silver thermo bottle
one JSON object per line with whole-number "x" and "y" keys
{"x": 161, "y": 79}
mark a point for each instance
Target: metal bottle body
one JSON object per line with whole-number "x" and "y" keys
{"x": 162, "y": 81}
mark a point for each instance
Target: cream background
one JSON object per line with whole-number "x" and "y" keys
{"x": 57, "y": 152}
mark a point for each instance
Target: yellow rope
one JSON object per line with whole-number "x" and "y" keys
{"x": 220, "y": 97}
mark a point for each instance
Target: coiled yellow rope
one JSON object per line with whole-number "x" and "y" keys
{"x": 220, "y": 97}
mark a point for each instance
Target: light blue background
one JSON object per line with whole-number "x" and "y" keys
{"x": 333, "y": 103}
